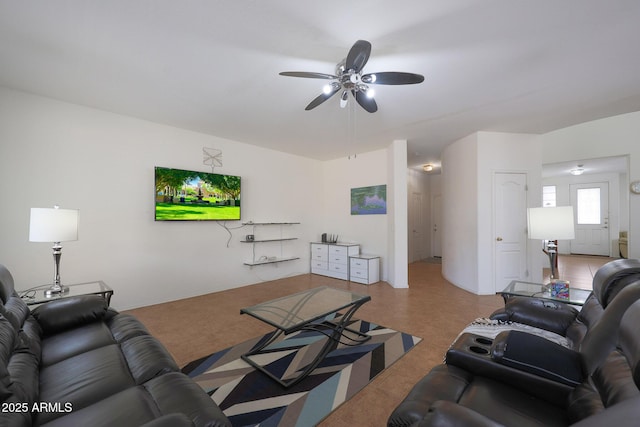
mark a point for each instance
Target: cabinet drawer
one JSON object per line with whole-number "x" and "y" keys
{"x": 339, "y": 251}
{"x": 319, "y": 265}
{"x": 339, "y": 268}
{"x": 319, "y": 252}
{"x": 337, "y": 259}
{"x": 319, "y": 257}
{"x": 359, "y": 263}
{"x": 361, "y": 273}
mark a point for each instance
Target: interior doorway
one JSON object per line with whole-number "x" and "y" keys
{"x": 416, "y": 225}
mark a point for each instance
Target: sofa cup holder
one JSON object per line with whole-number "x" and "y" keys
{"x": 478, "y": 345}
{"x": 484, "y": 341}
{"x": 478, "y": 350}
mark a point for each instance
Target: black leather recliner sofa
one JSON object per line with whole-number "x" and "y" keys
{"x": 77, "y": 362}
{"x": 521, "y": 379}
{"x": 565, "y": 320}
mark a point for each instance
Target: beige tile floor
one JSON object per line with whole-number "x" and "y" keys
{"x": 578, "y": 269}
{"x": 430, "y": 308}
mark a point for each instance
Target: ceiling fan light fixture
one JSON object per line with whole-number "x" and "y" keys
{"x": 370, "y": 93}
{"x": 330, "y": 87}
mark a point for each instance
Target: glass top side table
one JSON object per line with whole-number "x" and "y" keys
{"x": 577, "y": 296}
{"x": 36, "y": 296}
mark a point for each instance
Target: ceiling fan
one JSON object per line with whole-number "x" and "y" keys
{"x": 349, "y": 78}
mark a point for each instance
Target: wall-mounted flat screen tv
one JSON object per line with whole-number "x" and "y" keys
{"x": 184, "y": 195}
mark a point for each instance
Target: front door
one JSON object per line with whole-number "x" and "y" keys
{"x": 591, "y": 210}
{"x": 510, "y": 224}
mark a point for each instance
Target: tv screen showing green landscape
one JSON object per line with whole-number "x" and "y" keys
{"x": 183, "y": 195}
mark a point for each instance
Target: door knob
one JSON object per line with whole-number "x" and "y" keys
{"x": 499, "y": 239}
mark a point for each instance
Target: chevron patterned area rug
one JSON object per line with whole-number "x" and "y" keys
{"x": 249, "y": 398}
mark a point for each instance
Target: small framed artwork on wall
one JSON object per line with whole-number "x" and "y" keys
{"x": 369, "y": 200}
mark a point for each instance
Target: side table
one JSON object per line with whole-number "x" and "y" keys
{"x": 364, "y": 268}
{"x": 577, "y": 296}
{"x": 36, "y": 296}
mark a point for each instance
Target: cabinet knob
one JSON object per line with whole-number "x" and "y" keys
{"x": 499, "y": 239}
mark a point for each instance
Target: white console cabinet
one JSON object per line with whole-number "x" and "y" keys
{"x": 332, "y": 259}
{"x": 364, "y": 269}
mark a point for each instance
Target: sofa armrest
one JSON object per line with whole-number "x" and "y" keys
{"x": 623, "y": 414}
{"x": 545, "y": 314}
{"x": 170, "y": 420}
{"x": 538, "y": 356}
{"x": 473, "y": 354}
{"x": 60, "y": 315}
{"x": 445, "y": 413}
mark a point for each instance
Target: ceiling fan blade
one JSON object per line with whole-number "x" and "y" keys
{"x": 321, "y": 98}
{"x": 308, "y": 75}
{"x": 392, "y": 78}
{"x": 365, "y": 102}
{"x": 358, "y": 55}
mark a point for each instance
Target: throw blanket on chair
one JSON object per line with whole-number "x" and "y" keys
{"x": 486, "y": 327}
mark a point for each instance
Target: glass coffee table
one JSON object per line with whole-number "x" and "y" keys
{"x": 314, "y": 310}
{"x": 577, "y": 296}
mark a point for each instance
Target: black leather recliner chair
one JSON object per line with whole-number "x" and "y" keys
{"x": 520, "y": 379}
{"x": 565, "y": 320}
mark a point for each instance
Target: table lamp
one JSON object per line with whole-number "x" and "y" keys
{"x": 54, "y": 225}
{"x": 550, "y": 224}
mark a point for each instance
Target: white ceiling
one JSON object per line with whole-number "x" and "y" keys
{"x": 614, "y": 164}
{"x": 212, "y": 66}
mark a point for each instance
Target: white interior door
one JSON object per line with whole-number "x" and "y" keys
{"x": 436, "y": 218}
{"x": 416, "y": 222}
{"x": 510, "y": 224}
{"x": 591, "y": 210}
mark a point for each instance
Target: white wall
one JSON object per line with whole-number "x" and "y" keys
{"x": 613, "y": 136}
{"x": 101, "y": 163}
{"x": 468, "y": 168}
{"x": 505, "y": 153}
{"x": 467, "y": 229}
{"x": 53, "y": 152}
{"x": 460, "y": 213}
{"x": 398, "y": 276}
{"x": 370, "y": 231}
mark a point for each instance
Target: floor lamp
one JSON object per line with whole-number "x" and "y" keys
{"x": 549, "y": 224}
{"x": 54, "y": 225}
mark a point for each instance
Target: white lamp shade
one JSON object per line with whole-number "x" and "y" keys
{"x": 551, "y": 223}
{"x": 53, "y": 225}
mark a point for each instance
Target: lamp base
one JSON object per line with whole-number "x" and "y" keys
{"x": 56, "y": 290}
